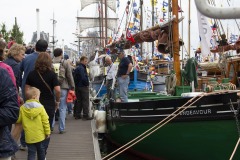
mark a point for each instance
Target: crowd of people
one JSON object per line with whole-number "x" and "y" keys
{"x": 35, "y": 90}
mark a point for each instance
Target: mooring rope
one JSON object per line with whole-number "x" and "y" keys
{"x": 235, "y": 149}
{"x": 152, "y": 130}
{"x": 237, "y": 123}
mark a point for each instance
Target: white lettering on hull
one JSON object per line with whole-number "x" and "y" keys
{"x": 196, "y": 112}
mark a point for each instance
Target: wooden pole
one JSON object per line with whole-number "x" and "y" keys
{"x": 189, "y": 29}
{"x": 152, "y": 25}
{"x": 176, "y": 63}
{"x": 105, "y": 23}
{"x": 102, "y": 22}
{"x": 141, "y": 25}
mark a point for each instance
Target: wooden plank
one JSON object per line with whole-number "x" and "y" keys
{"x": 76, "y": 143}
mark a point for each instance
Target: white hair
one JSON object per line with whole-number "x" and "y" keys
{"x": 108, "y": 57}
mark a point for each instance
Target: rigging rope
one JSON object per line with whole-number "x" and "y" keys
{"x": 119, "y": 26}
{"x": 130, "y": 17}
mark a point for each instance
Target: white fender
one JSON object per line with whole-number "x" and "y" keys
{"x": 95, "y": 114}
{"x": 101, "y": 121}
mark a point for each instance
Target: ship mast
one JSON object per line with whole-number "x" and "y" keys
{"x": 141, "y": 25}
{"x": 176, "y": 56}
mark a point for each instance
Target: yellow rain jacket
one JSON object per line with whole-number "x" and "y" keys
{"x": 34, "y": 120}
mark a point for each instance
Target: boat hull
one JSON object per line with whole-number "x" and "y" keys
{"x": 208, "y": 140}
{"x": 207, "y": 130}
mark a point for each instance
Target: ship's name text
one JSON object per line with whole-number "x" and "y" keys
{"x": 196, "y": 112}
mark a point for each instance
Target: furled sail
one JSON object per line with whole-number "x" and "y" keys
{"x": 89, "y": 22}
{"x": 110, "y": 3}
{"x": 205, "y": 33}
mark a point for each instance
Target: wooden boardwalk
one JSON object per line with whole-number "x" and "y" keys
{"x": 78, "y": 143}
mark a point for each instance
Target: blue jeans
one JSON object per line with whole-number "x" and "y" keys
{"x": 36, "y": 148}
{"x": 70, "y": 107}
{"x": 123, "y": 88}
{"x": 46, "y": 144}
{"x": 62, "y": 110}
{"x": 53, "y": 122}
{"x": 22, "y": 139}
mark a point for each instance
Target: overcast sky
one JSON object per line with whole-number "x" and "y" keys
{"x": 65, "y": 12}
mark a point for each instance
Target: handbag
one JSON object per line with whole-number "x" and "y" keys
{"x": 45, "y": 83}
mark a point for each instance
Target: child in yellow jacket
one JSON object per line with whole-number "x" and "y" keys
{"x": 35, "y": 123}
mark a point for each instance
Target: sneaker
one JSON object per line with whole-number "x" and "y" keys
{"x": 77, "y": 117}
{"x": 52, "y": 128}
{"x": 13, "y": 157}
{"x": 23, "y": 148}
{"x": 87, "y": 118}
{"x": 62, "y": 132}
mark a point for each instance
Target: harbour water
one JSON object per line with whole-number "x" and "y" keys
{"x": 106, "y": 147}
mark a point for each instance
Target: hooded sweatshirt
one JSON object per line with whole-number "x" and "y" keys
{"x": 34, "y": 120}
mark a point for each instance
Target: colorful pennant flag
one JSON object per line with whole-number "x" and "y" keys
{"x": 154, "y": 2}
{"x": 130, "y": 25}
{"x": 134, "y": 4}
{"x": 214, "y": 27}
{"x": 164, "y": 10}
{"x": 110, "y": 39}
{"x": 129, "y": 36}
{"x": 233, "y": 38}
{"x": 180, "y": 9}
{"x": 138, "y": 16}
{"x": 165, "y": 4}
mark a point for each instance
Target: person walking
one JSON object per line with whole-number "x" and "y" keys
{"x": 66, "y": 84}
{"x": 4, "y": 65}
{"x": 15, "y": 55}
{"x": 9, "y": 111}
{"x": 44, "y": 78}
{"x": 124, "y": 68}
{"x": 111, "y": 77}
{"x": 11, "y": 75}
{"x": 26, "y": 66}
{"x": 82, "y": 90}
{"x": 35, "y": 124}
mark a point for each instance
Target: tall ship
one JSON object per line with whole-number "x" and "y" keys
{"x": 181, "y": 124}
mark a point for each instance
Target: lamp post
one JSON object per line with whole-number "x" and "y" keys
{"x": 53, "y": 36}
{"x": 78, "y": 41}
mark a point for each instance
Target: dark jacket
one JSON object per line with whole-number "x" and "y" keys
{"x": 81, "y": 76}
{"x": 16, "y": 69}
{"x": 27, "y": 65}
{"x": 9, "y": 111}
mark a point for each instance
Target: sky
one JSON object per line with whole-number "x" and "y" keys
{"x": 65, "y": 13}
